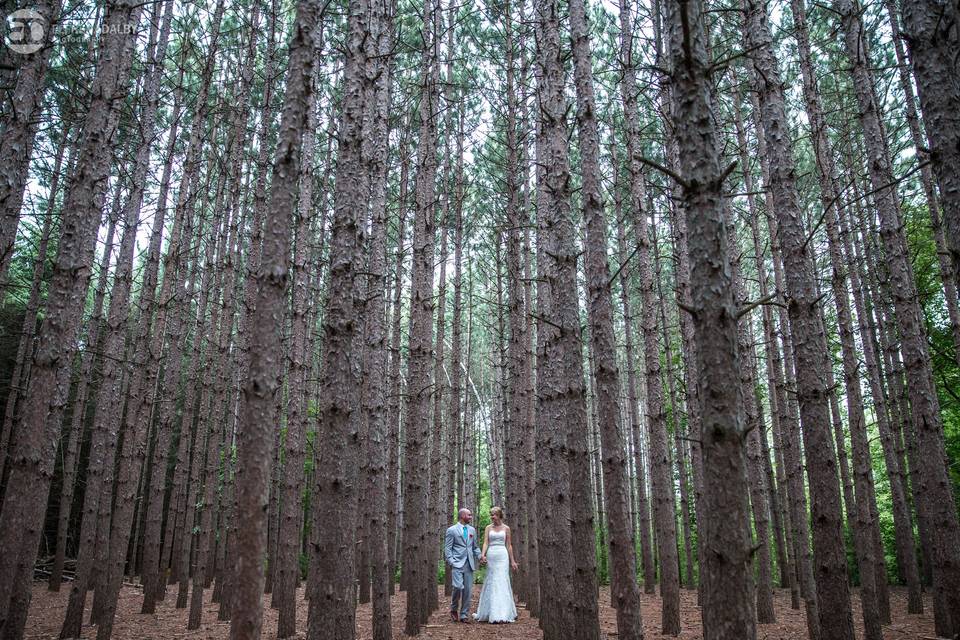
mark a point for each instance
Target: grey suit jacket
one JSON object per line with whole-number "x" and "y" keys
{"x": 460, "y": 551}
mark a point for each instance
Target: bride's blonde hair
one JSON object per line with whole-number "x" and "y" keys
{"x": 498, "y": 511}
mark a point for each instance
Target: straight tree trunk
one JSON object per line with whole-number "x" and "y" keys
{"x": 453, "y": 450}
{"x": 32, "y": 463}
{"x": 661, "y": 489}
{"x": 947, "y": 266}
{"x": 643, "y": 505}
{"x": 19, "y": 129}
{"x": 298, "y": 356}
{"x": 258, "y": 406}
{"x": 568, "y": 609}
{"x": 70, "y": 448}
{"x": 624, "y": 592}
{"x": 758, "y": 479}
{"x": 752, "y": 405}
{"x": 788, "y": 405}
{"x": 148, "y": 304}
{"x": 418, "y": 548}
{"x": 930, "y": 29}
{"x": 664, "y": 509}
{"x": 727, "y": 600}
{"x": 937, "y": 505}
{"x": 675, "y": 411}
{"x": 788, "y": 568}
{"x": 376, "y": 337}
{"x": 811, "y": 357}
{"x": 516, "y": 389}
{"x": 395, "y": 402}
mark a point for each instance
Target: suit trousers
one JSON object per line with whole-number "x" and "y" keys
{"x": 462, "y": 582}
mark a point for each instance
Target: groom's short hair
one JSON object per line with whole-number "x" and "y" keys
{"x": 462, "y": 511}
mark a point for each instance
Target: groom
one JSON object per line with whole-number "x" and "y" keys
{"x": 461, "y": 552}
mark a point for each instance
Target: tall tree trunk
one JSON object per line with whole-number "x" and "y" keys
{"x": 395, "y": 402}
{"x": 31, "y": 467}
{"x": 664, "y": 509}
{"x": 376, "y": 338}
{"x": 516, "y": 389}
{"x": 298, "y": 356}
{"x": 811, "y": 358}
{"x": 258, "y": 406}
{"x": 643, "y": 504}
{"x": 568, "y": 592}
{"x": 788, "y": 405}
{"x": 775, "y": 399}
{"x": 19, "y": 127}
{"x": 752, "y": 405}
{"x": 679, "y": 448}
{"x": 70, "y": 447}
{"x": 148, "y": 304}
{"x": 922, "y": 146}
{"x": 727, "y": 599}
{"x": 453, "y": 450}
{"x": 661, "y": 486}
{"x": 937, "y": 505}
{"x": 624, "y": 592}
{"x": 418, "y": 547}
{"x": 758, "y": 478}
{"x": 930, "y": 29}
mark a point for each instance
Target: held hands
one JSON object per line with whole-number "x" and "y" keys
{"x": 483, "y": 559}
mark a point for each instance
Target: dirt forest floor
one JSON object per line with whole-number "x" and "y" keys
{"x": 169, "y": 623}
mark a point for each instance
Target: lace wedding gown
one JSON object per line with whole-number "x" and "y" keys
{"x": 496, "y": 599}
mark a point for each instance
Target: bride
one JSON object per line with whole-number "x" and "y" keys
{"x": 496, "y": 599}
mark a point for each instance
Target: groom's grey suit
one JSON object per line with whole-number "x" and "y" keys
{"x": 462, "y": 553}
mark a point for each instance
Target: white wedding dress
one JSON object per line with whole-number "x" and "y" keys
{"x": 496, "y": 599}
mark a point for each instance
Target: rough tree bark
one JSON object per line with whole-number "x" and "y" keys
{"x": 32, "y": 458}
{"x": 643, "y": 503}
{"x": 727, "y": 600}
{"x": 374, "y": 396}
{"x": 783, "y": 365}
{"x": 258, "y": 406}
{"x": 752, "y": 405}
{"x": 70, "y": 448}
{"x": 298, "y": 366}
{"x": 625, "y": 594}
{"x": 395, "y": 401}
{"x": 936, "y": 495}
{"x": 664, "y": 510}
{"x": 19, "y": 128}
{"x": 931, "y": 32}
{"x": 921, "y": 145}
{"x": 568, "y": 609}
{"x": 418, "y": 547}
{"x": 516, "y": 399}
{"x": 811, "y": 358}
